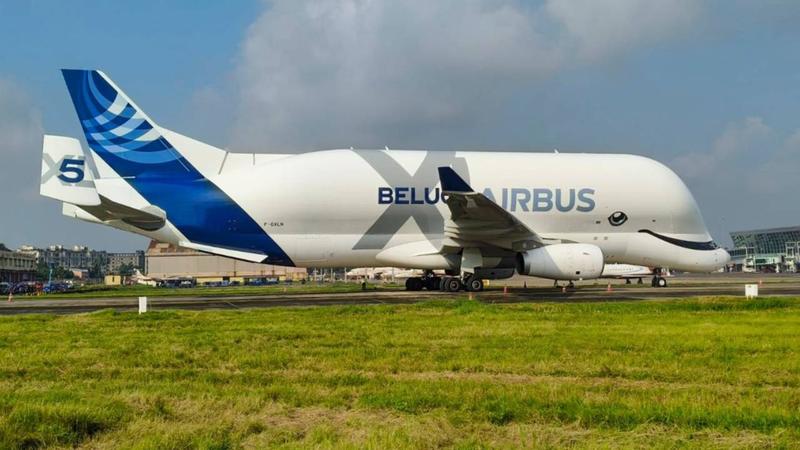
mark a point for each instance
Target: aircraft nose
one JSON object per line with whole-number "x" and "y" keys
{"x": 724, "y": 256}
{"x": 720, "y": 259}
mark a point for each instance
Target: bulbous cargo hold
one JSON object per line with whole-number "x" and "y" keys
{"x": 469, "y": 213}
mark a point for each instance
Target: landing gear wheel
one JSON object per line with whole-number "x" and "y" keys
{"x": 571, "y": 285}
{"x": 659, "y": 282}
{"x": 474, "y": 284}
{"x": 433, "y": 283}
{"x": 414, "y": 284}
{"x": 640, "y": 281}
{"x": 452, "y": 284}
{"x": 627, "y": 281}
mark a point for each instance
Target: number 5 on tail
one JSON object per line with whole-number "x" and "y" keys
{"x": 71, "y": 170}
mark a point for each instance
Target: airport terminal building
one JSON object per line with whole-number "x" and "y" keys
{"x": 767, "y": 250}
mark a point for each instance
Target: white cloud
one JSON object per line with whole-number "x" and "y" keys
{"x": 737, "y": 140}
{"x": 599, "y": 28}
{"x": 20, "y": 144}
{"x": 20, "y": 122}
{"x": 780, "y": 170}
{"x": 747, "y": 177}
{"x": 326, "y": 73}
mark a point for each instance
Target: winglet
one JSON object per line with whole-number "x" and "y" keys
{"x": 451, "y": 182}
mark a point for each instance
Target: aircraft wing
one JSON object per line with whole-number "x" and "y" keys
{"x": 474, "y": 218}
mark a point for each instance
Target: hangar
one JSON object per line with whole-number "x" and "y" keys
{"x": 167, "y": 261}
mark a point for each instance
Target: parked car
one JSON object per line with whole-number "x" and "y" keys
{"x": 56, "y": 287}
{"x": 23, "y": 288}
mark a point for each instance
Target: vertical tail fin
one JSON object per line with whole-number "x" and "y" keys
{"x": 136, "y": 149}
{"x": 119, "y": 131}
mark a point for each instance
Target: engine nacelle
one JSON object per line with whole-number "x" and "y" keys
{"x": 562, "y": 262}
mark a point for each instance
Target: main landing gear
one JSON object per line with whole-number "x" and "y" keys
{"x": 455, "y": 284}
{"x": 428, "y": 281}
{"x": 446, "y": 283}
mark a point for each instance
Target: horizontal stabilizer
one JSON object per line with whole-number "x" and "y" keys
{"x": 150, "y": 218}
{"x": 65, "y": 174}
{"x": 76, "y": 212}
{"x": 235, "y": 254}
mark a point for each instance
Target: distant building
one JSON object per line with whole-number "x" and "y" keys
{"x": 16, "y": 266}
{"x": 167, "y": 261}
{"x": 117, "y": 260}
{"x": 76, "y": 257}
{"x": 766, "y": 250}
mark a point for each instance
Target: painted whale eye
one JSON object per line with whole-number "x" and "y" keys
{"x": 617, "y": 218}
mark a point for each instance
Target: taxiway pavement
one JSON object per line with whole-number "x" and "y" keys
{"x": 618, "y": 292}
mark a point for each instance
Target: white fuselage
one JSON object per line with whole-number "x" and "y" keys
{"x": 345, "y": 207}
{"x": 557, "y": 215}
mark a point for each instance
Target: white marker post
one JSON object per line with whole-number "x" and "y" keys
{"x": 142, "y": 305}
{"x": 750, "y": 291}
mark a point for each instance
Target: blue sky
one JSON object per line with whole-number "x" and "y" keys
{"x": 167, "y": 51}
{"x": 711, "y": 88}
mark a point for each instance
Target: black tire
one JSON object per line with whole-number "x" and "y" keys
{"x": 414, "y": 284}
{"x": 433, "y": 283}
{"x": 453, "y": 284}
{"x": 474, "y": 285}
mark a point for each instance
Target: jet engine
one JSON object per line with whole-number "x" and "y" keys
{"x": 562, "y": 262}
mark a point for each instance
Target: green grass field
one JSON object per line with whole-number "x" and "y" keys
{"x": 693, "y": 372}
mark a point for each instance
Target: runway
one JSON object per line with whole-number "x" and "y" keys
{"x": 619, "y": 292}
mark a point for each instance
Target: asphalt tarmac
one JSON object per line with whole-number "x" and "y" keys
{"x": 783, "y": 286}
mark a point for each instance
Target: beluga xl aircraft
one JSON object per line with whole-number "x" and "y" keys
{"x": 476, "y": 215}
